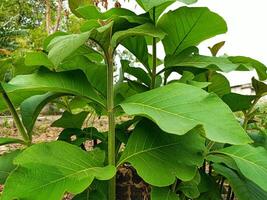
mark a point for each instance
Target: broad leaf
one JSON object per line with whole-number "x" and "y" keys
{"x": 148, "y": 4}
{"x": 244, "y": 189}
{"x": 5, "y": 140}
{"x": 38, "y": 59}
{"x": 219, "y": 84}
{"x": 137, "y": 72}
{"x": 75, "y": 4}
{"x": 146, "y": 29}
{"x": 51, "y": 169}
{"x": 204, "y": 62}
{"x": 177, "y": 108}
{"x": 6, "y": 165}
{"x": 138, "y": 47}
{"x": 186, "y": 27}
{"x": 247, "y": 63}
{"x": 260, "y": 87}
{"x": 96, "y": 73}
{"x": 71, "y": 82}
{"x": 69, "y": 120}
{"x": 151, "y": 151}
{"x": 163, "y": 193}
{"x": 31, "y": 108}
{"x": 63, "y": 46}
{"x": 238, "y": 102}
{"x": 190, "y": 188}
{"x": 251, "y": 161}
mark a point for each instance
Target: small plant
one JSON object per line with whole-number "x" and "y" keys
{"x": 181, "y": 136}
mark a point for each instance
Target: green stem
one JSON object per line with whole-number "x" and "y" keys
{"x": 16, "y": 118}
{"x": 154, "y": 55}
{"x": 111, "y": 122}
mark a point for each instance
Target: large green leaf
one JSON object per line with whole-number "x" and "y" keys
{"x": 96, "y": 73}
{"x": 146, "y": 29}
{"x": 70, "y": 82}
{"x": 238, "y": 102}
{"x": 137, "y": 45}
{"x": 177, "y": 108}
{"x": 247, "y": 63}
{"x": 151, "y": 151}
{"x": 69, "y": 120}
{"x": 205, "y": 62}
{"x": 163, "y": 193}
{"x": 51, "y": 169}
{"x": 31, "y": 108}
{"x": 75, "y": 4}
{"x": 137, "y": 72}
{"x": 187, "y": 27}
{"x": 63, "y": 46}
{"x": 6, "y": 165}
{"x": 5, "y": 140}
{"x": 260, "y": 87}
{"x": 251, "y": 161}
{"x": 244, "y": 189}
{"x": 148, "y": 4}
{"x": 38, "y": 59}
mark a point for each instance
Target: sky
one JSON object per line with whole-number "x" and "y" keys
{"x": 247, "y": 31}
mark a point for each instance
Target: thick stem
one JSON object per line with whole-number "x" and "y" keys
{"x": 111, "y": 123}
{"x": 154, "y": 55}
{"x": 16, "y": 118}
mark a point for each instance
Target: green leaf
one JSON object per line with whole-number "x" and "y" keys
{"x": 186, "y": 27}
{"x": 151, "y": 151}
{"x": 6, "y": 164}
{"x": 5, "y": 140}
{"x": 51, "y": 37}
{"x": 96, "y": 73}
{"x": 165, "y": 193}
{"x": 208, "y": 188}
{"x": 244, "y": 189}
{"x": 51, "y": 169}
{"x": 146, "y": 29}
{"x": 70, "y": 82}
{"x": 138, "y": 47}
{"x": 137, "y": 72}
{"x": 247, "y": 63}
{"x": 219, "y": 84}
{"x": 69, "y": 120}
{"x": 38, "y": 59}
{"x": 204, "y": 62}
{"x": 177, "y": 108}
{"x": 259, "y": 87}
{"x": 75, "y": 4}
{"x": 31, "y": 108}
{"x": 148, "y": 4}
{"x": 92, "y": 12}
{"x": 63, "y": 46}
{"x": 216, "y": 48}
{"x": 238, "y": 102}
{"x": 190, "y": 188}
{"x": 251, "y": 161}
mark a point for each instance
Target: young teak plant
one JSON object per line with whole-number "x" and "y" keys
{"x": 180, "y": 135}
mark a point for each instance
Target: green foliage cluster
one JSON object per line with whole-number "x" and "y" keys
{"x": 183, "y": 138}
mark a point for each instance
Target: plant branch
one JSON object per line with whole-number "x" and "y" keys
{"x": 154, "y": 55}
{"x": 17, "y": 120}
{"x": 111, "y": 121}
